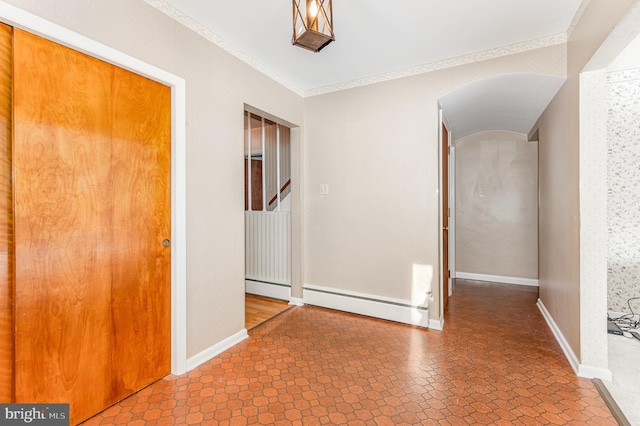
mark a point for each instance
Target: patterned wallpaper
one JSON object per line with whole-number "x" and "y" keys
{"x": 624, "y": 189}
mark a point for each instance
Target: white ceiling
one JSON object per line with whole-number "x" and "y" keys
{"x": 510, "y": 102}
{"x": 378, "y": 40}
{"x": 375, "y": 37}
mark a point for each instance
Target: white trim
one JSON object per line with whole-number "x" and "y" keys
{"x": 399, "y": 310}
{"x": 564, "y": 345}
{"x": 278, "y": 169}
{"x": 171, "y": 11}
{"x": 497, "y": 279}
{"x": 216, "y": 349}
{"x": 265, "y": 212}
{"x": 355, "y": 294}
{"x": 190, "y": 23}
{"x": 296, "y": 301}
{"x": 274, "y": 291}
{"x": 589, "y": 372}
{"x": 264, "y": 166}
{"x": 179, "y": 229}
{"x": 34, "y": 24}
{"x": 499, "y": 52}
{"x": 580, "y": 369}
{"x": 435, "y": 324}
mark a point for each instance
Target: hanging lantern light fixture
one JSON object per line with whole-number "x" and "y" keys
{"x": 312, "y": 24}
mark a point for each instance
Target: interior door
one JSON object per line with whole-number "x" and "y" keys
{"x": 92, "y": 207}
{"x": 445, "y": 216}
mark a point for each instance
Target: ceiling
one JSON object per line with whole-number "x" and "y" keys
{"x": 511, "y": 102}
{"x": 378, "y": 40}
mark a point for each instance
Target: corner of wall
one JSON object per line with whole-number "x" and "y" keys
{"x": 582, "y": 370}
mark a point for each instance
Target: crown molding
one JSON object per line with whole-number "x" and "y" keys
{"x": 512, "y": 49}
{"x": 203, "y": 31}
{"x": 446, "y": 63}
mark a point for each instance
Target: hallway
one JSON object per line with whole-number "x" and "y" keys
{"x": 496, "y": 362}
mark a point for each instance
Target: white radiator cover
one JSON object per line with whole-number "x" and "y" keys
{"x": 268, "y": 247}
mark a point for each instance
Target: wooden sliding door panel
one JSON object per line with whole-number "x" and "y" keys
{"x": 92, "y": 206}
{"x": 140, "y": 181}
{"x": 62, "y": 225}
{"x": 6, "y": 220}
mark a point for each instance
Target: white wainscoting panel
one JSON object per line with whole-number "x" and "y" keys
{"x": 268, "y": 247}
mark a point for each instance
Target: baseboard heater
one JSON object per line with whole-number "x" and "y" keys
{"x": 364, "y": 304}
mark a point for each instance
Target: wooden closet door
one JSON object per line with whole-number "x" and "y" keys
{"x": 6, "y": 220}
{"x": 92, "y": 207}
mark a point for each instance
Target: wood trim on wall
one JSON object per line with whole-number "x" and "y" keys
{"x": 6, "y": 221}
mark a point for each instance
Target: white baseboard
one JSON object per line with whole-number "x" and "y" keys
{"x": 435, "y": 324}
{"x": 296, "y": 301}
{"x": 216, "y": 349}
{"x": 589, "y": 372}
{"x": 564, "y": 345}
{"x": 497, "y": 279}
{"x": 398, "y": 310}
{"x": 274, "y": 291}
{"x": 581, "y": 370}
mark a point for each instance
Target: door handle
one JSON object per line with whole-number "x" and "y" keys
{"x": 446, "y": 228}
{"x": 166, "y": 242}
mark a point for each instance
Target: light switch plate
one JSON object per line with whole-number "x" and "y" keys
{"x": 324, "y": 189}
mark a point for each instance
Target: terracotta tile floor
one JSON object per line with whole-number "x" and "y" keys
{"x": 495, "y": 363}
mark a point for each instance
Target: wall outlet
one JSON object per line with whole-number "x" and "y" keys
{"x": 324, "y": 189}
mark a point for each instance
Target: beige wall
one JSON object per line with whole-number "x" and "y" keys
{"x": 377, "y": 148}
{"x": 375, "y": 145}
{"x": 559, "y": 175}
{"x": 217, "y": 87}
{"x": 496, "y": 181}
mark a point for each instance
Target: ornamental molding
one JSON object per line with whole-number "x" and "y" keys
{"x": 203, "y": 31}
{"x": 444, "y": 64}
{"x": 200, "y": 29}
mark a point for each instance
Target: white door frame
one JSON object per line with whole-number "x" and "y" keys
{"x": 19, "y": 18}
